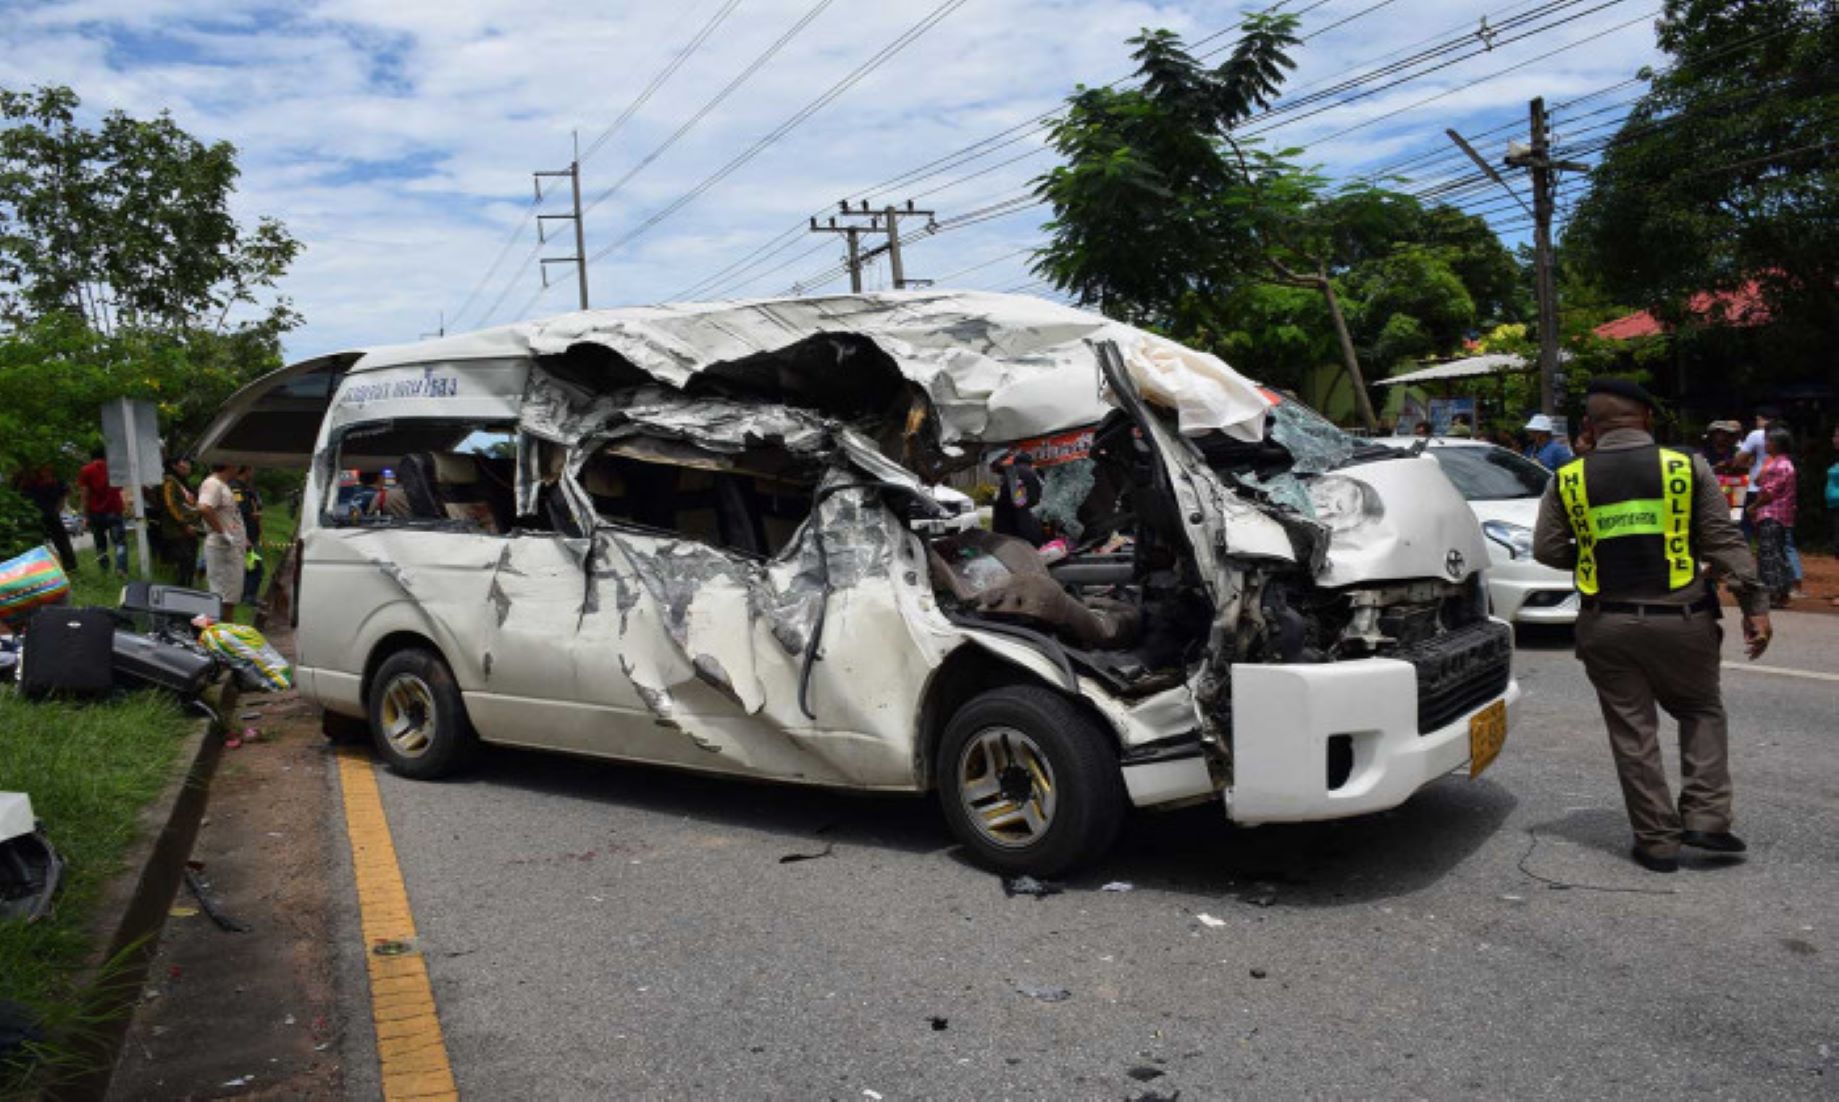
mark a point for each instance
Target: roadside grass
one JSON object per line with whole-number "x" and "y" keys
{"x": 89, "y": 769}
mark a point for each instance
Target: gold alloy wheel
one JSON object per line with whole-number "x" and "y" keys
{"x": 408, "y": 715}
{"x": 1007, "y": 787}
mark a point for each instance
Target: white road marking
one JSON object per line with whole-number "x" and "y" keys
{"x": 1782, "y": 671}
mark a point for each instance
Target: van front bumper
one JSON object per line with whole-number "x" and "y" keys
{"x": 1334, "y": 739}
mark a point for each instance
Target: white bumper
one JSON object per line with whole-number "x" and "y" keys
{"x": 1285, "y": 716}
{"x": 1511, "y": 582}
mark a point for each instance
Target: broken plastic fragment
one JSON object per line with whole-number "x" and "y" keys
{"x": 1209, "y": 921}
{"x": 1028, "y": 885}
{"x": 1044, "y": 994}
{"x": 1118, "y": 886}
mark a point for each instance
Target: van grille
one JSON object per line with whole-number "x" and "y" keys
{"x": 1459, "y": 671}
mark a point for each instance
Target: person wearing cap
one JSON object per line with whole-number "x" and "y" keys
{"x": 1632, "y": 521}
{"x": 1720, "y": 451}
{"x": 1545, "y": 449}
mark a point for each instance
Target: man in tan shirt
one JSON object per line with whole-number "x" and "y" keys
{"x": 1633, "y": 521}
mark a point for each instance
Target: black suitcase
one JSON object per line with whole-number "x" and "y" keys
{"x": 159, "y": 606}
{"x": 67, "y": 651}
{"x": 146, "y": 660}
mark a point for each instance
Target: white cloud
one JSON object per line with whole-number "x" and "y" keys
{"x": 396, "y": 140}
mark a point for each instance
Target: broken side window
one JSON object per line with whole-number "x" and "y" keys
{"x": 453, "y": 475}
{"x": 752, "y": 503}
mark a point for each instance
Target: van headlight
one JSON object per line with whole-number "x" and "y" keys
{"x": 1517, "y": 539}
{"x": 1343, "y": 503}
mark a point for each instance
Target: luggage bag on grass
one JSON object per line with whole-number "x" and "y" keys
{"x": 142, "y": 661}
{"x": 68, "y": 651}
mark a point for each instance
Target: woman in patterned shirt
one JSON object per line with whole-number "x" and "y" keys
{"x": 1772, "y": 513}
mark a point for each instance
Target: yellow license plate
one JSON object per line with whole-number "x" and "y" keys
{"x": 1487, "y": 733}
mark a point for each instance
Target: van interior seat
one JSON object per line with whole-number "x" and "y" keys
{"x": 434, "y": 481}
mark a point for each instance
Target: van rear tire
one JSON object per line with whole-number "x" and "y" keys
{"x": 418, "y": 720}
{"x": 1029, "y": 782}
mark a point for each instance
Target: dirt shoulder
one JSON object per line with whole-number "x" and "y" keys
{"x": 251, "y": 1014}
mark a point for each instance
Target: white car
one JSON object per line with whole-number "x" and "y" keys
{"x": 1503, "y": 489}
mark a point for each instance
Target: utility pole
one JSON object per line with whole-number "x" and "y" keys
{"x": 885, "y": 221}
{"x": 1543, "y": 171}
{"x": 579, "y": 260}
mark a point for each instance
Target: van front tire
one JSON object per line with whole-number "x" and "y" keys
{"x": 417, "y": 719}
{"x": 1029, "y": 782}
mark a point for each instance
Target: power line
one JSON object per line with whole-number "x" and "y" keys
{"x": 1291, "y": 119}
{"x": 1482, "y": 80}
{"x": 992, "y": 262}
{"x": 657, "y": 81}
{"x": 900, "y": 42}
{"x": 714, "y": 101}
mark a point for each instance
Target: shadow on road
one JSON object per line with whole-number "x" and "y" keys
{"x": 1327, "y": 864}
{"x": 1193, "y": 850}
{"x": 1602, "y": 828}
{"x": 1543, "y": 637}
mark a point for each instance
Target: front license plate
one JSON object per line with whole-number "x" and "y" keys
{"x": 1487, "y": 733}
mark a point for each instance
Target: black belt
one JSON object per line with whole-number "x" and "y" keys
{"x": 1703, "y": 604}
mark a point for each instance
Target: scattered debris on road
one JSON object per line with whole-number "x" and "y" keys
{"x": 1044, "y": 994}
{"x": 1118, "y": 886}
{"x": 792, "y": 858}
{"x": 1028, "y": 885}
{"x": 210, "y": 906}
{"x": 1210, "y": 922}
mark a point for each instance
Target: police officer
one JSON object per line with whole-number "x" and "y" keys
{"x": 1633, "y": 521}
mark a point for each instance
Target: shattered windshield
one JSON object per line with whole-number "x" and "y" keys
{"x": 1317, "y": 444}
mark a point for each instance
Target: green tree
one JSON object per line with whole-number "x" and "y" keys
{"x": 127, "y": 224}
{"x": 1164, "y": 219}
{"x": 123, "y": 274}
{"x": 1725, "y": 171}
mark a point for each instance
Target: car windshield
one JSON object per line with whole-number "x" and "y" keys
{"x": 1492, "y": 474}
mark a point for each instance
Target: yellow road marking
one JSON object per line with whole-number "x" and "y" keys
{"x": 410, "y": 1046}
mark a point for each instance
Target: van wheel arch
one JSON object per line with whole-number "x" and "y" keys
{"x": 967, "y": 673}
{"x": 388, "y": 646}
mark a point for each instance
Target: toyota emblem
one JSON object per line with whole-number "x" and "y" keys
{"x": 1454, "y": 562}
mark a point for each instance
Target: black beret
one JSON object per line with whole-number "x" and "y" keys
{"x": 1622, "y": 388}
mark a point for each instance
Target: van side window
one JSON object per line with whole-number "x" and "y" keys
{"x": 451, "y": 476}
{"x": 751, "y": 504}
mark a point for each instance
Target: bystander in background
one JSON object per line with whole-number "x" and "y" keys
{"x": 225, "y": 542}
{"x": 1771, "y": 514}
{"x": 1545, "y": 448}
{"x": 249, "y": 503}
{"x": 47, "y": 492}
{"x": 104, "y": 511}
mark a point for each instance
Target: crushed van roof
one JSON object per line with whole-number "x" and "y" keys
{"x": 995, "y": 367}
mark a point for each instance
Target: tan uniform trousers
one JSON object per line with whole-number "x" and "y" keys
{"x": 1638, "y": 661}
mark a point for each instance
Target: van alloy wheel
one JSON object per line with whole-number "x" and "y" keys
{"x": 1006, "y": 784}
{"x": 409, "y": 715}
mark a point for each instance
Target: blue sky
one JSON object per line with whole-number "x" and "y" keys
{"x": 396, "y": 140}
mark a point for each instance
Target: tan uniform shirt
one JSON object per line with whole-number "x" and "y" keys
{"x": 1715, "y": 539}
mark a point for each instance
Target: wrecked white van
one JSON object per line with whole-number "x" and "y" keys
{"x": 691, "y": 536}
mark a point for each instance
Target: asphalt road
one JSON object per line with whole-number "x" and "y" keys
{"x": 604, "y": 931}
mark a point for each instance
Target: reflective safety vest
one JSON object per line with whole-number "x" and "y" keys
{"x": 1631, "y": 511}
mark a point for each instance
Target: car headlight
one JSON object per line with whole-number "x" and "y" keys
{"x": 1343, "y": 503}
{"x": 1517, "y": 539}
